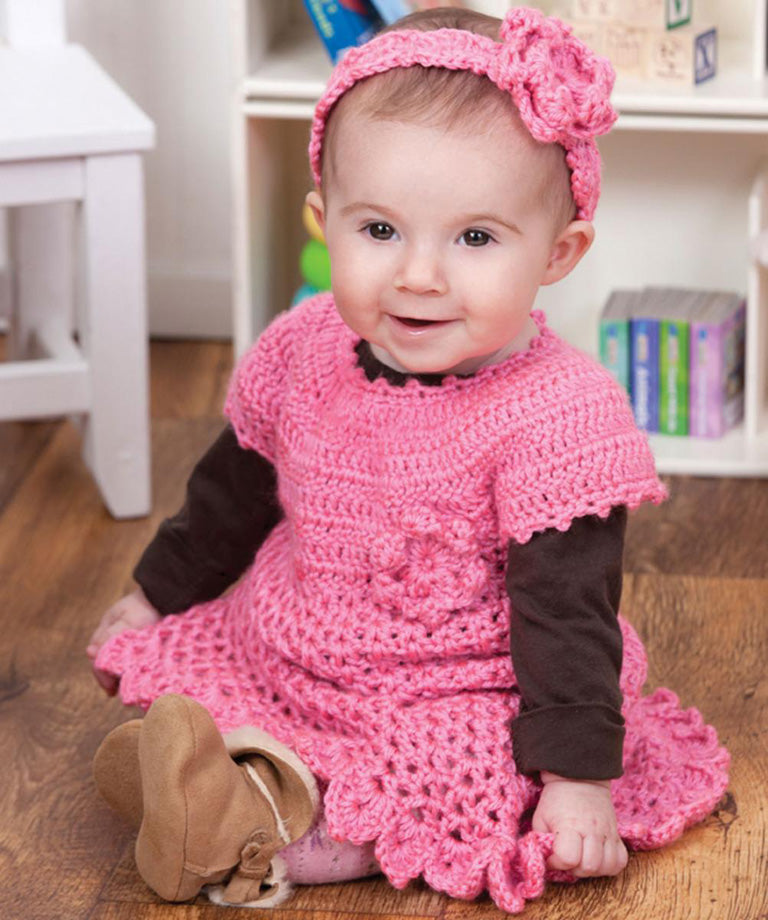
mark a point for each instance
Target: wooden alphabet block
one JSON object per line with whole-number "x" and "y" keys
{"x": 592, "y": 33}
{"x": 677, "y": 57}
{"x": 656, "y": 14}
{"x": 596, "y": 10}
{"x": 626, "y": 46}
{"x": 683, "y": 56}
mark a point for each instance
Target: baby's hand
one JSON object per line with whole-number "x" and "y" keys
{"x": 580, "y": 814}
{"x": 133, "y": 611}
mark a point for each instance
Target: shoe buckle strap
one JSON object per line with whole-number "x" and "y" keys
{"x": 247, "y": 881}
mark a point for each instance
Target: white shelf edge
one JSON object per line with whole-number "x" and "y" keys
{"x": 714, "y": 124}
{"x": 734, "y": 454}
{"x": 296, "y": 89}
{"x": 291, "y": 107}
{"x": 299, "y": 108}
{"x": 278, "y": 108}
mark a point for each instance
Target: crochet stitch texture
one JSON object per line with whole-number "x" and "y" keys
{"x": 561, "y": 88}
{"x": 371, "y": 634}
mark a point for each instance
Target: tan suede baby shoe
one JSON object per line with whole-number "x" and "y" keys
{"x": 211, "y": 810}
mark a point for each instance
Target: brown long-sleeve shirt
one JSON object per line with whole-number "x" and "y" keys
{"x": 564, "y": 590}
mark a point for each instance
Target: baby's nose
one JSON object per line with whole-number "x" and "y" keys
{"x": 421, "y": 272}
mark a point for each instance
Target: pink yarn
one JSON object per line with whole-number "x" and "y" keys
{"x": 561, "y": 88}
{"x": 371, "y": 634}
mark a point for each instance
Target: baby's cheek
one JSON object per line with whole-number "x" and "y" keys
{"x": 353, "y": 311}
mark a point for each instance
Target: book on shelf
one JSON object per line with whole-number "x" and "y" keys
{"x": 673, "y": 375}
{"x": 614, "y": 335}
{"x": 644, "y": 361}
{"x": 342, "y": 24}
{"x": 717, "y": 365}
{"x": 392, "y": 10}
{"x": 673, "y": 308}
{"x": 682, "y": 352}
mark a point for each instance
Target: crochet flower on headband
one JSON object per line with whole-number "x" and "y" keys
{"x": 561, "y": 88}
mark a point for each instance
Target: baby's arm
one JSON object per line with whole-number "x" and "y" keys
{"x": 231, "y": 506}
{"x": 564, "y": 591}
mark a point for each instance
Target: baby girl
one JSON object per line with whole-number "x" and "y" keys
{"x": 420, "y": 499}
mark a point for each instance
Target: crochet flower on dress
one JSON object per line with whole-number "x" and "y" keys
{"x": 427, "y": 568}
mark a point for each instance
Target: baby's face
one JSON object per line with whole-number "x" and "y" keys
{"x": 438, "y": 241}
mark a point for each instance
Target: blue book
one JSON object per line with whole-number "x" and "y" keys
{"x": 391, "y": 10}
{"x": 341, "y": 25}
{"x": 645, "y": 371}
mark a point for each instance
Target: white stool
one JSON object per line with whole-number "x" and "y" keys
{"x": 69, "y": 134}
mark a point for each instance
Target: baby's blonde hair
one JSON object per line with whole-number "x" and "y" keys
{"x": 450, "y": 99}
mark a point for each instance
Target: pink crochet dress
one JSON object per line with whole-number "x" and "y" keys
{"x": 371, "y": 633}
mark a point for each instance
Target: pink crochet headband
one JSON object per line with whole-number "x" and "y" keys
{"x": 561, "y": 88}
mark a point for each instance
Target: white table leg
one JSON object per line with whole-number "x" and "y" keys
{"x": 114, "y": 332}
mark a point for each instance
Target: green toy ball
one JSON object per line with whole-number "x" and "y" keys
{"x": 316, "y": 265}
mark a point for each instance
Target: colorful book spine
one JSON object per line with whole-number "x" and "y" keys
{"x": 615, "y": 336}
{"x": 644, "y": 334}
{"x": 673, "y": 376}
{"x": 717, "y": 368}
{"x": 342, "y": 24}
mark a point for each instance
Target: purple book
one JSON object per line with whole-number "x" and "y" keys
{"x": 717, "y": 336}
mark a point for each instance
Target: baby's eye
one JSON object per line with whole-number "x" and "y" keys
{"x": 380, "y": 230}
{"x": 476, "y": 238}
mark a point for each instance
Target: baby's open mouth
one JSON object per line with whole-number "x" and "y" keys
{"x": 411, "y": 321}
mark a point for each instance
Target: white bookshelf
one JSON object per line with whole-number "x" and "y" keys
{"x": 685, "y": 191}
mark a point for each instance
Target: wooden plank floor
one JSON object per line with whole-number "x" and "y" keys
{"x": 696, "y": 590}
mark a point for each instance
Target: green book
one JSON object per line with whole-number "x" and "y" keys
{"x": 673, "y": 307}
{"x": 673, "y": 376}
{"x": 615, "y": 335}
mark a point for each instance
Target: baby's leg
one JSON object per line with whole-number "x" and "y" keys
{"x": 317, "y": 859}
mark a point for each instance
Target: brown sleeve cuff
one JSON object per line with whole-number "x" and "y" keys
{"x": 577, "y": 740}
{"x": 164, "y": 575}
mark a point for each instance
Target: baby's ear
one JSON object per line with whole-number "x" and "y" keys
{"x": 314, "y": 201}
{"x": 567, "y": 250}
